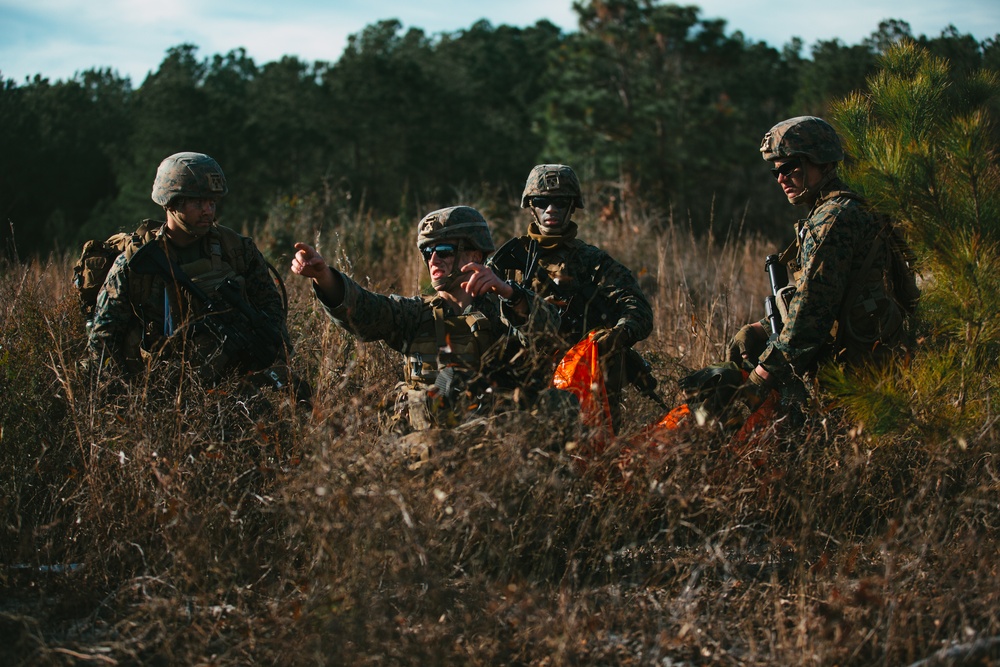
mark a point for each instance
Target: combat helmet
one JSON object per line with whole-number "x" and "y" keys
{"x": 456, "y": 222}
{"x": 194, "y": 175}
{"x": 554, "y": 180}
{"x": 806, "y": 136}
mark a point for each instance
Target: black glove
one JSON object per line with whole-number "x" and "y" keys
{"x": 712, "y": 387}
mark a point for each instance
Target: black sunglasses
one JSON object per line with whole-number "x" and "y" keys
{"x": 544, "y": 202}
{"x": 786, "y": 169}
{"x": 443, "y": 250}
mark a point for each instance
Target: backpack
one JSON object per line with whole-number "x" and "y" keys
{"x": 97, "y": 257}
{"x": 901, "y": 259}
{"x": 873, "y": 320}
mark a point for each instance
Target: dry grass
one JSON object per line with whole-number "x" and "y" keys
{"x": 211, "y": 527}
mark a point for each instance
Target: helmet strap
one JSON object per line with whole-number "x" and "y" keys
{"x": 810, "y": 193}
{"x": 554, "y": 231}
{"x": 193, "y": 232}
{"x": 453, "y": 279}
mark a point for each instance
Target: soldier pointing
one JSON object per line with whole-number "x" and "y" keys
{"x": 463, "y": 345}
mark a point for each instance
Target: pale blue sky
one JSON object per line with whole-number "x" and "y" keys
{"x": 57, "y": 38}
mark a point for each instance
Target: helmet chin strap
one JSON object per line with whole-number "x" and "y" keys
{"x": 190, "y": 230}
{"x": 809, "y": 194}
{"x": 196, "y": 232}
{"x": 560, "y": 228}
{"x": 454, "y": 277}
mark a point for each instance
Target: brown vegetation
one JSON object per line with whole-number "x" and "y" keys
{"x": 202, "y": 526}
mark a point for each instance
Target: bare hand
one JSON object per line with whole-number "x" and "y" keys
{"x": 482, "y": 281}
{"x": 309, "y": 263}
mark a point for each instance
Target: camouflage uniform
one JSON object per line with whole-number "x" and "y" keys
{"x": 142, "y": 315}
{"x": 832, "y": 245}
{"x": 456, "y": 363}
{"x": 842, "y": 305}
{"x": 139, "y": 316}
{"x": 591, "y": 288}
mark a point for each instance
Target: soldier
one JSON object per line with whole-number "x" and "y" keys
{"x": 844, "y": 305}
{"x": 461, "y": 342}
{"x": 593, "y": 291}
{"x": 163, "y": 294}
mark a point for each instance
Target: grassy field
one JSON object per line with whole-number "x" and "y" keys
{"x": 163, "y": 523}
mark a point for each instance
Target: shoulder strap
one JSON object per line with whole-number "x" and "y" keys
{"x": 845, "y": 193}
{"x": 128, "y": 243}
{"x": 140, "y": 286}
{"x": 440, "y": 335}
{"x": 230, "y": 247}
{"x": 511, "y": 256}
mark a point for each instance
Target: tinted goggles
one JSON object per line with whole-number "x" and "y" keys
{"x": 787, "y": 168}
{"x": 443, "y": 250}
{"x": 543, "y": 203}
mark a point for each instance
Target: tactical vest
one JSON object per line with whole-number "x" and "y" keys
{"x": 163, "y": 308}
{"x": 446, "y": 354}
{"x": 447, "y": 341}
{"x": 584, "y": 308}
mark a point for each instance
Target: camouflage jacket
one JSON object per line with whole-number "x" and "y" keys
{"x": 591, "y": 288}
{"x": 139, "y": 315}
{"x": 832, "y": 247}
{"x": 503, "y": 352}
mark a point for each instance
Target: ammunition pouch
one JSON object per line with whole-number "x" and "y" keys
{"x": 447, "y": 341}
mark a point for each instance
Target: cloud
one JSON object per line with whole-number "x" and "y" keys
{"x": 850, "y": 21}
{"x": 60, "y": 37}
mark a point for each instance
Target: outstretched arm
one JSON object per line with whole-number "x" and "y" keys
{"x": 309, "y": 263}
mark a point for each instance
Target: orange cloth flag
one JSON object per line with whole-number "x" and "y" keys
{"x": 579, "y": 372}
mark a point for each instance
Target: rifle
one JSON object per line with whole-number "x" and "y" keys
{"x": 640, "y": 373}
{"x": 778, "y": 276}
{"x": 513, "y": 256}
{"x": 253, "y": 346}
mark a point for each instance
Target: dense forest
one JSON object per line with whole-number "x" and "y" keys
{"x": 648, "y": 101}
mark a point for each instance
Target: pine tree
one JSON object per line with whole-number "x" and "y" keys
{"x": 924, "y": 152}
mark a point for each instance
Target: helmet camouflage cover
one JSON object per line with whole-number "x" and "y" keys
{"x": 806, "y": 136}
{"x": 194, "y": 175}
{"x": 456, "y": 222}
{"x": 554, "y": 180}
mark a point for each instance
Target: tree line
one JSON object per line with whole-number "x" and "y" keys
{"x": 656, "y": 108}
